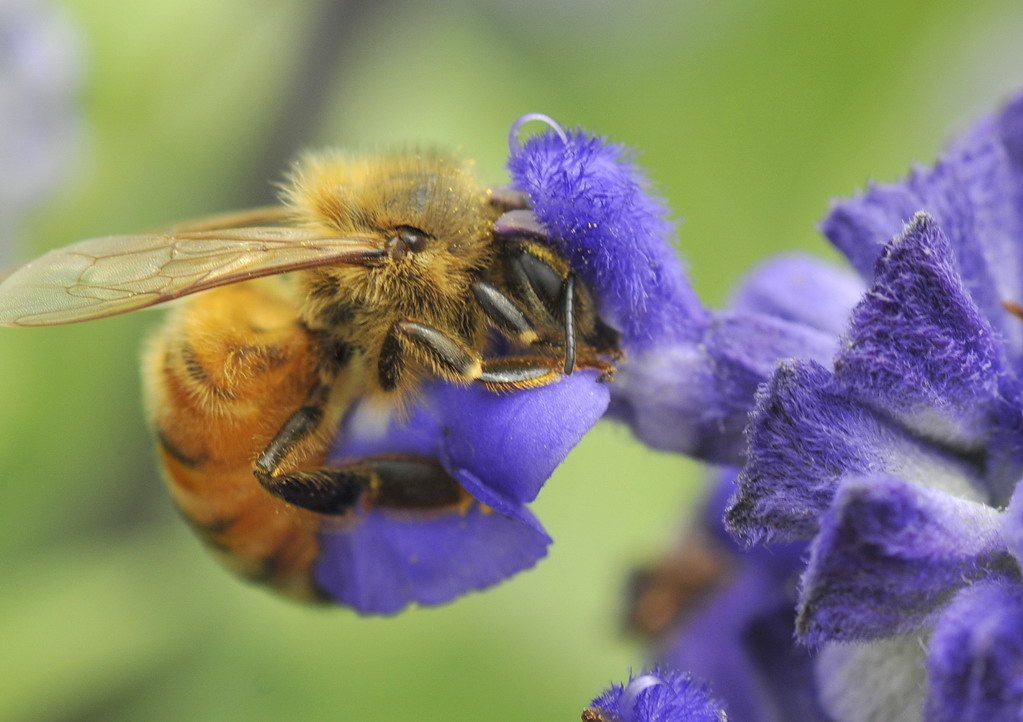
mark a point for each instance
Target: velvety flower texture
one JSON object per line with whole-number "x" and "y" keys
{"x": 900, "y": 463}
{"x": 662, "y": 695}
{"x": 691, "y": 373}
{"x": 688, "y": 384}
{"x": 738, "y": 636}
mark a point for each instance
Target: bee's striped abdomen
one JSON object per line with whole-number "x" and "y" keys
{"x": 223, "y": 375}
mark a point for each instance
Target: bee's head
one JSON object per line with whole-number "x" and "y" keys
{"x": 432, "y": 219}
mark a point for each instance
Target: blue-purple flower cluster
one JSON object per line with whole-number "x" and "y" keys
{"x": 661, "y": 695}
{"x": 883, "y": 476}
{"x": 899, "y": 464}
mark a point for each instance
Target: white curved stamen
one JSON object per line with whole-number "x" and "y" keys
{"x": 513, "y": 135}
{"x": 627, "y": 704}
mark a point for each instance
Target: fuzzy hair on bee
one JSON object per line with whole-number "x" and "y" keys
{"x": 437, "y": 221}
{"x": 395, "y": 276}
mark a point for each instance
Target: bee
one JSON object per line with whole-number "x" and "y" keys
{"x": 398, "y": 272}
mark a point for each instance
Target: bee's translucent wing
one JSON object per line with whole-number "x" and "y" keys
{"x": 249, "y": 217}
{"x": 116, "y": 274}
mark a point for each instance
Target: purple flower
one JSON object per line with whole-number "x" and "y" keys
{"x": 662, "y": 695}
{"x": 39, "y": 59}
{"x": 899, "y": 464}
{"x": 501, "y": 449}
{"x": 738, "y": 635}
{"x": 737, "y": 632}
{"x": 690, "y": 374}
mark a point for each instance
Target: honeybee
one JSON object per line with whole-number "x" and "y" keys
{"x": 396, "y": 275}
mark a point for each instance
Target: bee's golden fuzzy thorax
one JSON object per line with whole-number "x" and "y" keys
{"x": 375, "y": 197}
{"x": 346, "y": 193}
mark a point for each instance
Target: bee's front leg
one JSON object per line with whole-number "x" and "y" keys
{"x": 507, "y": 316}
{"x": 562, "y": 311}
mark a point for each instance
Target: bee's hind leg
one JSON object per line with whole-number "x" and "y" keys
{"x": 396, "y": 481}
{"x": 326, "y": 490}
{"x": 400, "y": 481}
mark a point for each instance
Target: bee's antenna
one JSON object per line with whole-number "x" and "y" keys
{"x": 513, "y": 136}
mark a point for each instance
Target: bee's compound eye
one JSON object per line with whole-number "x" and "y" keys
{"x": 406, "y": 240}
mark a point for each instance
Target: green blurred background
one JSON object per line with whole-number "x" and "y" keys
{"x": 750, "y": 116}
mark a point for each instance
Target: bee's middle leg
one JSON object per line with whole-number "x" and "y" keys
{"x": 321, "y": 489}
{"x": 452, "y": 359}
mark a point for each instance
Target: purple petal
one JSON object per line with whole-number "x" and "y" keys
{"x": 806, "y": 433}
{"x": 888, "y": 555}
{"x": 505, "y": 446}
{"x": 500, "y": 447}
{"x": 513, "y": 442}
{"x": 696, "y": 397}
{"x": 974, "y": 194}
{"x": 919, "y": 348}
{"x": 800, "y": 289}
{"x": 976, "y": 654}
{"x": 387, "y": 562}
{"x": 663, "y": 695}
{"x": 860, "y": 227}
{"x": 745, "y": 348}
{"x": 597, "y": 207}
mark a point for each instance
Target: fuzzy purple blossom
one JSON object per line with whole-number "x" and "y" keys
{"x": 690, "y": 373}
{"x": 738, "y": 635}
{"x": 898, "y": 463}
{"x": 661, "y": 695}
